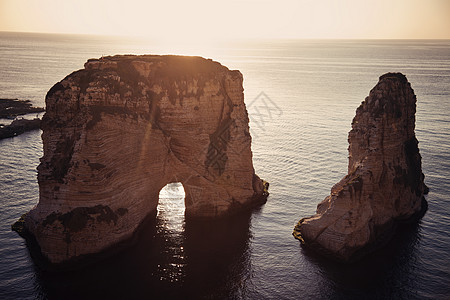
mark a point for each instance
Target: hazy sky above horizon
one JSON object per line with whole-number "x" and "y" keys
{"x": 199, "y": 19}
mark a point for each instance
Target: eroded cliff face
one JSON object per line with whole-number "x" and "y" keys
{"x": 385, "y": 182}
{"x": 119, "y": 130}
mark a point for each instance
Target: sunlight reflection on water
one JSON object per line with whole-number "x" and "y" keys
{"x": 171, "y": 225}
{"x": 171, "y": 207}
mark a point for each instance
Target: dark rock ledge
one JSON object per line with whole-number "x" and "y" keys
{"x": 11, "y": 109}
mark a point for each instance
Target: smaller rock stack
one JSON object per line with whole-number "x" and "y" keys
{"x": 385, "y": 182}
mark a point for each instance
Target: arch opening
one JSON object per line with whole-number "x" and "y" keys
{"x": 171, "y": 206}
{"x": 170, "y": 227}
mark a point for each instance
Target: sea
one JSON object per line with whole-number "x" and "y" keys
{"x": 301, "y": 96}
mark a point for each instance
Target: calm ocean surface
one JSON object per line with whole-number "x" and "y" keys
{"x": 301, "y": 97}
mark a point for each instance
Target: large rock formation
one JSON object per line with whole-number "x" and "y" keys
{"x": 384, "y": 184}
{"x": 116, "y": 132}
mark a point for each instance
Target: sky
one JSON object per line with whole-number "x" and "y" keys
{"x": 199, "y": 19}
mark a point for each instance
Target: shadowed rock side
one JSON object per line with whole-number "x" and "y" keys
{"x": 116, "y": 132}
{"x": 385, "y": 183}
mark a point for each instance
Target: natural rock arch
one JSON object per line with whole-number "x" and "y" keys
{"x": 116, "y": 132}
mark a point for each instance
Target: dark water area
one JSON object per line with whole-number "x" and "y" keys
{"x": 310, "y": 90}
{"x": 207, "y": 260}
{"x": 216, "y": 264}
{"x": 361, "y": 280}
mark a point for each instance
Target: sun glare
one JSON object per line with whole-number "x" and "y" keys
{"x": 195, "y": 20}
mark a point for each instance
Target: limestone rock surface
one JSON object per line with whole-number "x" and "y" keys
{"x": 384, "y": 184}
{"x": 116, "y": 132}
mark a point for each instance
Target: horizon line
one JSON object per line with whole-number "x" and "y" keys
{"x": 217, "y": 39}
